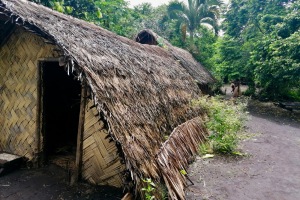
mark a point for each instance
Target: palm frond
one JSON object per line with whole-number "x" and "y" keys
{"x": 212, "y": 22}
{"x": 175, "y": 6}
{"x": 215, "y": 2}
{"x": 212, "y": 2}
{"x": 207, "y": 20}
{"x": 177, "y": 10}
{"x": 215, "y": 9}
{"x": 195, "y": 12}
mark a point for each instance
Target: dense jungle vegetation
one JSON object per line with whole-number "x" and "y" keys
{"x": 255, "y": 41}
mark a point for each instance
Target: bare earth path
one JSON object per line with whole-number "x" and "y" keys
{"x": 269, "y": 171}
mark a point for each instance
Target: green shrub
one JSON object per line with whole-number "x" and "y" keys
{"x": 293, "y": 94}
{"x": 250, "y": 91}
{"x": 153, "y": 190}
{"x": 149, "y": 189}
{"x": 224, "y": 120}
{"x": 205, "y": 148}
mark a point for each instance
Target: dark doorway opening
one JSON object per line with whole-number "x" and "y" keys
{"x": 145, "y": 37}
{"x": 61, "y": 107}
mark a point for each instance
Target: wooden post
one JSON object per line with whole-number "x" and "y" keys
{"x": 78, "y": 165}
{"x": 38, "y": 116}
{"x": 40, "y": 154}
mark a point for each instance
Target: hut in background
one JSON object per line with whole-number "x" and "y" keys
{"x": 73, "y": 90}
{"x": 200, "y": 74}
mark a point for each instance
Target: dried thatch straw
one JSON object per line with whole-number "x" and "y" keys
{"x": 142, "y": 91}
{"x": 177, "y": 152}
{"x": 195, "y": 69}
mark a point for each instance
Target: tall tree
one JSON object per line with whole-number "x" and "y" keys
{"x": 259, "y": 45}
{"x": 195, "y": 13}
{"x": 244, "y": 16}
{"x": 276, "y": 57}
{"x": 113, "y": 15}
{"x": 146, "y": 16}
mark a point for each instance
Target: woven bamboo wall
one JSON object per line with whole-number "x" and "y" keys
{"x": 18, "y": 91}
{"x": 101, "y": 164}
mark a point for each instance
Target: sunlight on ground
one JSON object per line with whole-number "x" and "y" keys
{"x": 226, "y": 89}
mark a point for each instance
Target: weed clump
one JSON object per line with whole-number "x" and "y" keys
{"x": 225, "y": 118}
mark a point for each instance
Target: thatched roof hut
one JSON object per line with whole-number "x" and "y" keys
{"x": 202, "y": 76}
{"x": 131, "y": 97}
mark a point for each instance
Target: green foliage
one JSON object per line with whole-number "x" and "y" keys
{"x": 147, "y": 17}
{"x": 205, "y": 47}
{"x": 225, "y": 120}
{"x": 183, "y": 172}
{"x": 149, "y": 189}
{"x": 205, "y": 148}
{"x": 260, "y": 46}
{"x": 161, "y": 43}
{"x": 276, "y": 57}
{"x": 113, "y": 15}
{"x": 250, "y": 91}
{"x": 194, "y": 13}
{"x": 294, "y": 94}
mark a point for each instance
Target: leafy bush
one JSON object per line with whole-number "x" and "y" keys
{"x": 224, "y": 120}
{"x": 149, "y": 189}
{"x": 205, "y": 148}
{"x": 250, "y": 91}
{"x": 293, "y": 94}
{"x": 153, "y": 190}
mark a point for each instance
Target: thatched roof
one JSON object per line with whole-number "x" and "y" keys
{"x": 194, "y": 68}
{"x": 141, "y": 90}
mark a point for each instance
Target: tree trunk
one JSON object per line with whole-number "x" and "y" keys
{"x": 192, "y": 36}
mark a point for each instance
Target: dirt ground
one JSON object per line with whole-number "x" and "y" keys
{"x": 50, "y": 182}
{"x": 270, "y": 168}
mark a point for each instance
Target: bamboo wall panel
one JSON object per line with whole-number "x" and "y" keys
{"x": 101, "y": 163}
{"x": 18, "y": 91}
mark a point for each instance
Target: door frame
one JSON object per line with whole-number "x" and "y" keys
{"x": 40, "y": 134}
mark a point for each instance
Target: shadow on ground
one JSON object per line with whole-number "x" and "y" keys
{"x": 50, "y": 182}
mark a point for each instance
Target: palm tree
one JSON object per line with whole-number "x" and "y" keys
{"x": 196, "y": 13}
